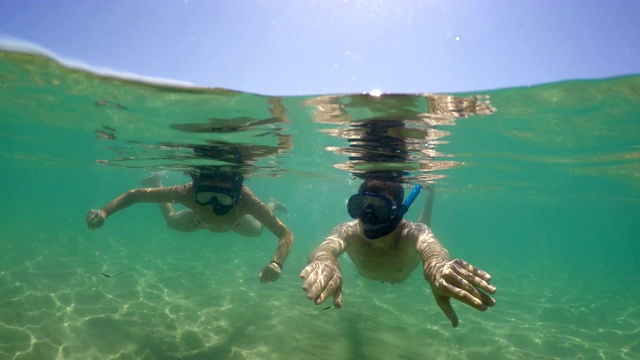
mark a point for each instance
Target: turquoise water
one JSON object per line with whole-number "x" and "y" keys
{"x": 543, "y": 194}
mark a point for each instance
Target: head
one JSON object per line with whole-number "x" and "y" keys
{"x": 378, "y": 207}
{"x": 217, "y": 188}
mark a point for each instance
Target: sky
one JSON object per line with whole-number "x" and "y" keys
{"x": 310, "y": 47}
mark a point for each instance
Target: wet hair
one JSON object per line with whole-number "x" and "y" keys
{"x": 233, "y": 177}
{"x": 392, "y": 188}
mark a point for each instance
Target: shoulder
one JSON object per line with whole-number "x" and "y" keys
{"x": 346, "y": 231}
{"x": 178, "y": 193}
{"x": 247, "y": 194}
{"x": 178, "y": 190}
{"x": 248, "y": 200}
{"x": 185, "y": 188}
{"x": 413, "y": 230}
{"x": 250, "y": 204}
{"x": 348, "y": 226}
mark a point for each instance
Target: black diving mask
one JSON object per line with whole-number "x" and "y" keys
{"x": 376, "y": 209}
{"x": 371, "y": 208}
{"x": 221, "y": 199}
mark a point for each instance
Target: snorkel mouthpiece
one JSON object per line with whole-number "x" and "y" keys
{"x": 411, "y": 197}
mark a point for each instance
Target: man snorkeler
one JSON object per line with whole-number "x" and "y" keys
{"x": 216, "y": 200}
{"x": 385, "y": 247}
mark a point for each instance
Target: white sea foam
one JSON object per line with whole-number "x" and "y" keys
{"x": 8, "y": 43}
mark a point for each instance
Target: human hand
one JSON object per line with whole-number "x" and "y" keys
{"x": 322, "y": 280}
{"x": 270, "y": 273}
{"x": 459, "y": 280}
{"x": 95, "y": 219}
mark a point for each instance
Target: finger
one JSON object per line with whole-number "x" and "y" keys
{"x": 471, "y": 283}
{"x": 316, "y": 290}
{"x": 337, "y": 298}
{"x": 457, "y": 286}
{"x": 445, "y": 305}
{"x": 452, "y": 285}
{"x": 308, "y": 283}
{"x": 311, "y": 285}
{"x": 332, "y": 285}
{"x": 487, "y": 300}
{"x": 479, "y": 283}
{"x": 468, "y": 298}
{"x": 307, "y": 270}
{"x": 474, "y": 270}
{"x": 311, "y": 274}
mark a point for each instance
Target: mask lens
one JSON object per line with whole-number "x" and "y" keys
{"x": 373, "y": 208}
{"x": 207, "y": 197}
{"x": 224, "y": 199}
{"x": 204, "y": 198}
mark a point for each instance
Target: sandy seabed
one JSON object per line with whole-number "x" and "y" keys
{"x": 176, "y": 301}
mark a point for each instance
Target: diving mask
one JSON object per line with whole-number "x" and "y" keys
{"x": 376, "y": 209}
{"x": 221, "y": 199}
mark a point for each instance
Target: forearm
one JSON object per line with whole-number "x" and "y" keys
{"x": 434, "y": 255}
{"x": 322, "y": 256}
{"x": 123, "y": 201}
{"x": 284, "y": 247}
{"x": 327, "y": 252}
{"x": 334, "y": 245}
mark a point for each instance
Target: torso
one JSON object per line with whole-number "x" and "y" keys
{"x": 389, "y": 259}
{"x": 206, "y": 219}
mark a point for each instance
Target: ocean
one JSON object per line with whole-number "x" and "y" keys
{"x": 537, "y": 185}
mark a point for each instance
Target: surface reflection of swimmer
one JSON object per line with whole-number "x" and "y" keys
{"x": 243, "y": 123}
{"x": 385, "y": 247}
{"x": 216, "y": 200}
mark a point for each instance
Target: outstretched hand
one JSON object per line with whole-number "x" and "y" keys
{"x": 459, "y": 280}
{"x": 95, "y": 219}
{"x": 270, "y": 273}
{"x": 322, "y": 280}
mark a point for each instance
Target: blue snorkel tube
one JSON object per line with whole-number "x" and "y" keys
{"x": 411, "y": 198}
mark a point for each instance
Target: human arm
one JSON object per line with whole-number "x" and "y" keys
{"x": 322, "y": 276}
{"x": 452, "y": 278}
{"x": 272, "y": 271}
{"x": 254, "y": 207}
{"x": 96, "y": 218}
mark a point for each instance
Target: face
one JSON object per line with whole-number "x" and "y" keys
{"x": 371, "y": 208}
{"x": 221, "y": 196}
{"x": 377, "y": 214}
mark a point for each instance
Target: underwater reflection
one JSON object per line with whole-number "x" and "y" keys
{"x": 245, "y": 143}
{"x": 391, "y": 136}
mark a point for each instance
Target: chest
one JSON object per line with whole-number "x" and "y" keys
{"x": 206, "y": 218}
{"x": 398, "y": 256}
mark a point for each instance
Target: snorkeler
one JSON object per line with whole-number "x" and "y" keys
{"x": 384, "y": 247}
{"x": 215, "y": 200}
